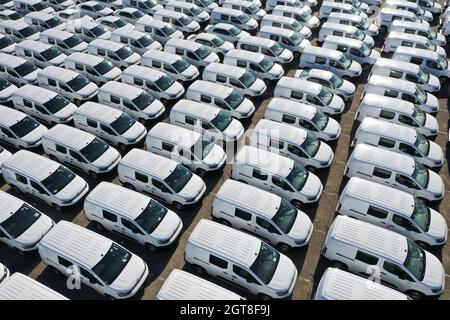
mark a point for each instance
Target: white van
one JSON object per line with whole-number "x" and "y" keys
{"x": 396, "y": 39}
{"x": 362, "y": 24}
{"x": 311, "y": 93}
{"x": 21, "y": 287}
{"x": 207, "y": 5}
{"x": 119, "y": 54}
{"x": 271, "y": 4}
{"x": 68, "y": 83}
{"x": 228, "y": 99}
{"x": 17, "y": 70}
{"x": 98, "y": 70}
{"x": 363, "y": 248}
{"x": 292, "y": 142}
{"x": 44, "y": 104}
{"x": 44, "y": 179}
{"x": 288, "y": 179}
{"x": 331, "y": 60}
{"x": 99, "y": 262}
{"x": 240, "y": 259}
{"x": 4, "y": 273}
{"x": 109, "y": 124}
{"x": 271, "y": 49}
{"x": 288, "y": 39}
{"x": 88, "y": 30}
{"x": 211, "y": 121}
{"x": 245, "y": 207}
{"x": 189, "y": 9}
{"x": 132, "y": 215}
{"x": 69, "y": 14}
{"x": 187, "y": 147}
{"x": 406, "y": 71}
{"x": 138, "y": 41}
{"x": 419, "y": 28}
{"x": 25, "y": 6}
{"x": 7, "y": 44}
{"x": 394, "y": 169}
{"x": 94, "y": 9}
{"x": 392, "y": 209}
{"x": 445, "y": 27}
{"x": 182, "y": 285}
{"x": 18, "y": 30}
{"x": 344, "y": 31}
{"x": 162, "y": 178}
{"x": 403, "y": 90}
{"x": 410, "y": 6}
{"x": 39, "y": 53}
{"x": 61, "y": 5}
{"x": 429, "y": 5}
{"x": 4, "y": 154}
{"x": 179, "y": 20}
{"x": 215, "y": 43}
{"x": 328, "y": 7}
{"x": 236, "y": 78}
{"x": 430, "y": 61}
{"x": 397, "y": 111}
{"x": 399, "y": 138}
{"x": 112, "y": 23}
{"x": 138, "y": 103}
{"x": 259, "y": 64}
{"x": 43, "y": 21}
{"x": 235, "y": 17}
{"x": 388, "y": 15}
{"x": 272, "y": 20}
{"x": 303, "y": 115}
{"x": 195, "y": 53}
{"x": 21, "y": 225}
{"x": 113, "y": 4}
{"x": 226, "y": 31}
{"x": 158, "y": 30}
{"x": 338, "y": 284}
{"x": 302, "y": 14}
{"x": 247, "y": 7}
{"x": 19, "y": 129}
{"x": 6, "y": 90}
{"x": 157, "y": 83}
{"x": 65, "y": 41}
{"x": 147, "y": 6}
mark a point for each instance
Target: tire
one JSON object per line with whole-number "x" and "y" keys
{"x": 52, "y": 157}
{"x": 346, "y": 78}
{"x": 201, "y": 172}
{"x": 178, "y": 206}
{"x": 99, "y": 226}
{"x": 56, "y": 271}
{"x": 20, "y": 252}
{"x": 93, "y": 175}
{"x": 297, "y": 204}
{"x": 284, "y": 248}
{"x": 423, "y": 245}
{"x": 57, "y": 207}
{"x": 122, "y": 147}
{"x": 224, "y": 222}
{"x": 442, "y": 79}
{"x": 263, "y": 296}
{"x": 199, "y": 270}
{"x": 142, "y": 121}
{"x": 311, "y": 169}
{"x": 16, "y": 190}
{"x": 415, "y": 295}
{"x": 383, "y": 29}
{"x": 77, "y": 102}
{"x": 366, "y": 66}
{"x": 150, "y": 247}
{"x": 129, "y": 186}
{"x": 163, "y": 101}
{"x": 339, "y": 265}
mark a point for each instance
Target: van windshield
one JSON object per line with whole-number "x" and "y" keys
{"x": 421, "y": 214}
{"x": 360, "y": 35}
{"x": 98, "y": 7}
{"x": 56, "y": 103}
{"x": 366, "y": 51}
{"x": 325, "y": 96}
{"x": 104, "y": 67}
{"x": 431, "y": 46}
{"x": 415, "y": 260}
{"x": 180, "y": 65}
{"x": 253, "y": 8}
{"x": 94, "y": 150}
{"x": 5, "y": 41}
{"x": 150, "y": 3}
{"x": 266, "y": 64}
{"x": 345, "y": 62}
{"x": 206, "y": 147}
{"x": 21, "y": 220}
{"x": 123, "y": 123}
{"x": 50, "y": 53}
{"x": 297, "y": 177}
{"x": 178, "y": 178}
{"x": 24, "y": 126}
{"x": 423, "y": 76}
{"x": 164, "y": 82}
{"x": 221, "y": 121}
{"x": 168, "y": 30}
{"x": 296, "y": 26}
{"x": 442, "y": 62}
{"x": 421, "y": 175}
{"x": 73, "y": 41}
{"x": 112, "y": 264}
{"x": 124, "y": 52}
{"x": 355, "y": 11}
{"x": 151, "y": 216}
{"x": 365, "y": 24}
{"x": 206, "y": 2}
{"x": 311, "y": 145}
{"x": 27, "y": 31}
{"x": 296, "y": 39}
{"x": 265, "y": 263}
{"x": 120, "y": 23}
{"x": 336, "y": 81}
{"x": 4, "y": 83}
{"x": 244, "y": 18}
{"x": 202, "y": 52}
{"x": 235, "y": 99}
{"x": 196, "y": 11}
{"x": 58, "y": 180}
{"x": 420, "y": 95}
{"x": 277, "y": 49}
{"x": 25, "y": 68}
{"x": 98, "y": 30}
{"x": 419, "y": 116}
{"x": 39, "y": 6}
{"x": 143, "y": 100}
{"x": 320, "y": 120}
{"x": 234, "y": 31}
{"x": 145, "y": 40}
{"x": 54, "y": 22}
{"x": 285, "y": 216}
{"x": 217, "y": 41}
{"x": 185, "y": 20}
{"x": 78, "y": 82}
{"x": 247, "y": 79}
{"x": 422, "y": 144}
{"x": 138, "y": 14}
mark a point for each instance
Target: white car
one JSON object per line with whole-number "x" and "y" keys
{"x": 94, "y": 9}
{"x": 227, "y": 32}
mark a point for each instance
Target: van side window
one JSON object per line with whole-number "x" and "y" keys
{"x": 378, "y": 172}
{"x": 242, "y": 64}
{"x": 60, "y": 148}
{"x": 138, "y": 82}
{"x": 88, "y": 276}
{"x": 27, "y": 103}
{"x": 51, "y": 82}
{"x": 377, "y": 212}
{"x": 167, "y": 146}
{"x": 109, "y": 216}
{"x": 335, "y": 10}
{"x": 416, "y": 60}
{"x": 338, "y": 33}
{"x": 218, "y": 262}
{"x": 179, "y": 52}
{"x": 274, "y": 37}
{"x": 241, "y": 214}
{"x": 281, "y": 183}
{"x": 123, "y": 40}
{"x": 396, "y": 270}
{"x": 101, "y": 52}
{"x": 76, "y": 156}
{"x": 189, "y": 120}
{"x": 204, "y": 98}
{"x": 407, "y": 44}
{"x": 249, "y": 47}
{"x": 220, "y": 78}
{"x": 158, "y": 184}
{"x": 395, "y": 74}
{"x": 276, "y": 144}
{"x": 37, "y": 187}
{"x": 263, "y": 223}
{"x": 276, "y": 24}
{"x": 432, "y": 64}
{"x": 296, "y": 95}
{"x": 156, "y": 64}
{"x": 224, "y": 17}
{"x": 115, "y": 99}
{"x": 388, "y": 143}
{"x": 131, "y": 226}
{"x": 366, "y": 258}
{"x": 412, "y": 77}
{"x": 51, "y": 41}
{"x": 391, "y": 93}
{"x": 64, "y": 262}
{"x": 79, "y": 67}
{"x": 244, "y": 274}
{"x": 407, "y": 120}
{"x": 387, "y": 114}
{"x": 91, "y": 123}
{"x": 259, "y": 175}
{"x": 288, "y": 119}
{"x": 27, "y": 53}
{"x": 141, "y": 177}
{"x": 236, "y": 83}
{"x": 320, "y": 60}
{"x": 21, "y": 179}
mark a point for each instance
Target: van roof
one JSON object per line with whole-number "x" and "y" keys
{"x": 222, "y": 25}
{"x": 287, "y": 106}
{"x": 415, "y": 52}
{"x": 10, "y": 205}
{"x": 59, "y": 73}
{"x": 345, "y": 16}
{"x": 99, "y": 111}
{"x": 148, "y": 162}
{"x": 35, "y": 93}
{"x": 226, "y": 241}
{"x": 229, "y": 11}
{"x": 182, "y": 285}
{"x": 243, "y": 3}
{"x": 70, "y": 136}
{"x": 397, "y": 12}
{"x": 144, "y": 72}
{"x": 372, "y": 238}
{"x": 77, "y": 242}
{"x": 263, "y": 202}
{"x": 129, "y": 203}
{"x": 183, "y": 43}
{"x": 395, "y": 161}
{"x": 340, "y": 27}
{"x": 39, "y": 15}
{"x": 406, "y": 36}
{"x": 277, "y": 31}
{"x": 14, "y": 24}
{"x": 212, "y": 88}
{"x": 36, "y": 165}
{"x": 168, "y": 13}
{"x": 388, "y": 103}
{"x": 225, "y": 69}
{"x": 337, "y": 284}
{"x": 20, "y": 287}
{"x": 377, "y": 193}
{"x": 121, "y": 89}
{"x": 391, "y": 83}
{"x": 397, "y": 64}
{"x": 128, "y": 32}
{"x": 259, "y": 41}
{"x": 324, "y": 52}
{"x": 271, "y": 162}
{"x": 28, "y": 1}
{"x": 299, "y": 84}
{"x": 353, "y": 43}
{"x": 202, "y": 110}
{"x": 291, "y": 9}
{"x": 411, "y": 24}
{"x": 33, "y": 45}
{"x": 58, "y": 34}
{"x": 402, "y": 2}
{"x": 337, "y": 5}
{"x": 180, "y": 4}
{"x": 152, "y": 23}
{"x": 107, "y": 44}
{"x": 281, "y": 19}
{"x": 160, "y": 55}
{"x": 85, "y": 58}
{"x": 282, "y": 131}
{"x": 178, "y": 135}
{"x": 388, "y": 129}
{"x": 10, "y": 60}
{"x": 245, "y": 55}
{"x": 10, "y": 116}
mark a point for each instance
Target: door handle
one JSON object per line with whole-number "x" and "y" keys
{"x": 225, "y": 272}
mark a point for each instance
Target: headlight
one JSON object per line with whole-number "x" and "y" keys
{"x": 164, "y": 241}
{"x": 436, "y": 290}
{"x": 123, "y": 294}
{"x": 440, "y": 240}
{"x": 282, "y": 293}
{"x": 300, "y": 242}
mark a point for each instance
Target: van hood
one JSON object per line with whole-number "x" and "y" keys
{"x": 438, "y": 226}
{"x": 5, "y": 94}
{"x": 243, "y": 34}
{"x": 134, "y": 132}
{"x": 436, "y": 7}
{"x": 277, "y": 71}
{"x": 76, "y": 187}
{"x": 428, "y": 16}
{"x": 435, "y": 153}
{"x": 284, "y": 275}
{"x": 234, "y": 131}
{"x": 216, "y": 157}
{"x": 191, "y": 72}
{"x": 313, "y": 22}
{"x": 302, "y": 228}
{"x": 368, "y": 40}
{"x": 110, "y": 157}
{"x": 193, "y": 26}
{"x": 374, "y": 56}
{"x": 252, "y": 23}
{"x": 305, "y": 32}
{"x": 34, "y": 36}
{"x": 373, "y": 29}
{"x": 226, "y": 46}
{"x": 113, "y": 74}
{"x": 36, "y": 231}
{"x": 347, "y": 88}
{"x": 286, "y": 56}
{"x": 88, "y": 90}
{"x": 332, "y": 129}
{"x": 432, "y": 103}
{"x": 433, "y": 83}
{"x": 312, "y": 188}
{"x": 441, "y": 51}
{"x": 304, "y": 44}
{"x": 155, "y": 108}
{"x": 48, "y": 10}
{"x": 175, "y": 90}
{"x": 177, "y": 34}
{"x": 260, "y": 14}
{"x": 66, "y": 112}
{"x": 212, "y": 57}
{"x": 355, "y": 68}
{"x": 431, "y": 124}
{"x": 440, "y": 39}
{"x": 193, "y": 189}
{"x": 9, "y": 49}
{"x": 245, "y": 108}
{"x": 435, "y": 185}
{"x": 155, "y": 45}
{"x": 32, "y": 76}
{"x": 336, "y": 105}
{"x": 203, "y": 16}
{"x": 167, "y": 227}
{"x": 80, "y": 47}
{"x": 35, "y": 137}
{"x": 212, "y": 6}
{"x": 3, "y": 271}
{"x": 4, "y": 155}
{"x": 134, "y": 58}
{"x": 364, "y": 7}
{"x": 434, "y": 276}
{"x": 58, "y": 60}
{"x": 324, "y": 155}
{"x": 105, "y": 11}
{"x": 258, "y": 87}
{"x": 130, "y": 275}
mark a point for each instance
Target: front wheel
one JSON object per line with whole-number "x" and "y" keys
{"x": 415, "y": 295}
{"x": 443, "y": 79}
{"x": 366, "y": 66}
{"x": 283, "y": 247}
{"x": 151, "y": 247}
{"x": 201, "y": 172}
{"x": 224, "y": 222}
{"x": 99, "y": 226}
{"x": 57, "y": 207}
{"x": 263, "y": 296}
{"x": 297, "y": 204}
{"x": 178, "y": 206}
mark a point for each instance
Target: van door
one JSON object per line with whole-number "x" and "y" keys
{"x": 76, "y": 159}
{"x": 89, "y": 279}
{"x": 403, "y": 226}
{"x": 160, "y": 190}
{"x": 265, "y": 229}
{"x": 38, "y": 191}
{"x": 130, "y": 230}
{"x": 395, "y": 276}
{"x": 243, "y": 279}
